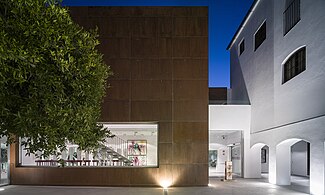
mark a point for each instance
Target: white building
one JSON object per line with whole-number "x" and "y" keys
{"x": 278, "y": 68}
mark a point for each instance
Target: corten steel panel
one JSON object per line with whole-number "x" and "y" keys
{"x": 190, "y": 132}
{"x": 165, "y": 132}
{"x": 153, "y": 90}
{"x": 165, "y": 26}
{"x": 112, "y": 27}
{"x": 140, "y": 176}
{"x": 151, "y": 69}
{"x": 165, "y": 47}
{"x": 190, "y": 69}
{"x": 182, "y": 153}
{"x": 115, "y": 47}
{"x": 118, "y": 90}
{"x": 190, "y": 11}
{"x": 121, "y": 68}
{"x": 151, "y": 110}
{"x": 185, "y": 174}
{"x": 115, "y": 111}
{"x": 165, "y": 155}
{"x": 187, "y": 110}
{"x": 190, "y": 47}
{"x": 151, "y": 11}
{"x": 189, "y": 26}
{"x": 190, "y": 90}
{"x": 144, "y": 27}
{"x": 144, "y": 48}
{"x": 198, "y": 153}
{"x": 159, "y": 56}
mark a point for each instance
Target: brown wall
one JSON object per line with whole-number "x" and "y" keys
{"x": 159, "y": 56}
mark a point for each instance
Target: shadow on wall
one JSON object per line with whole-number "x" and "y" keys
{"x": 237, "y": 83}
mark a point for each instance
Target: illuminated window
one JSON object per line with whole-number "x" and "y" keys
{"x": 132, "y": 145}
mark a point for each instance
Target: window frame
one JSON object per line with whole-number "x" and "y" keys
{"x": 239, "y": 47}
{"x": 254, "y": 38}
{"x": 289, "y": 57}
{"x": 286, "y": 7}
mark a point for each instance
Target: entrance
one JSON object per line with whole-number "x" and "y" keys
{"x": 225, "y": 145}
{"x": 4, "y": 156}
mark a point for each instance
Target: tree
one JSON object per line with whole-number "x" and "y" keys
{"x": 52, "y": 78}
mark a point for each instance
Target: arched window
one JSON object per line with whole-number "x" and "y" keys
{"x": 291, "y": 15}
{"x": 295, "y": 64}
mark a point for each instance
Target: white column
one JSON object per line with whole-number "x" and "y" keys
{"x": 283, "y": 164}
{"x": 255, "y": 161}
{"x": 272, "y": 164}
{"x": 317, "y": 168}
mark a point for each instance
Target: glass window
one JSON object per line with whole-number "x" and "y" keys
{"x": 242, "y": 47}
{"x": 291, "y": 15}
{"x": 294, "y": 65}
{"x": 132, "y": 145}
{"x": 260, "y": 35}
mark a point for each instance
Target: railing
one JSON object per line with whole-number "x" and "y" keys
{"x": 118, "y": 145}
{"x": 291, "y": 16}
{"x": 112, "y": 153}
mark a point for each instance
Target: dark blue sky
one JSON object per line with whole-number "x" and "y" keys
{"x": 224, "y": 19}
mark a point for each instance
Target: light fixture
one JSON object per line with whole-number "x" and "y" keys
{"x": 2, "y": 189}
{"x": 165, "y": 184}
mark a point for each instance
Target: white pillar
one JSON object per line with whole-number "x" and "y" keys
{"x": 272, "y": 164}
{"x": 246, "y": 156}
{"x": 255, "y": 161}
{"x": 317, "y": 168}
{"x": 283, "y": 164}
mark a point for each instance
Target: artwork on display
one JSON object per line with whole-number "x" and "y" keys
{"x": 263, "y": 156}
{"x": 138, "y": 160}
{"x": 137, "y": 152}
{"x": 213, "y": 154}
{"x": 137, "y": 147}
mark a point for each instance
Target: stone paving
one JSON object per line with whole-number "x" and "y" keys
{"x": 236, "y": 187}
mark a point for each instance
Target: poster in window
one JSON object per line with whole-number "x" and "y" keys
{"x": 138, "y": 160}
{"x": 137, "y": 147}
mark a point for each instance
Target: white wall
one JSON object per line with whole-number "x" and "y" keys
{"x": 229, "y": 118}
{"x": 295, "y": 109}
{"x": 253, "y": 70}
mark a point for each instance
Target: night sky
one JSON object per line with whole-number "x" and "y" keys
{"x": 225, "y": 17}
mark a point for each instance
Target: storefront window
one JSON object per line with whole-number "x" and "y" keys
{"x": 133, "y": 145}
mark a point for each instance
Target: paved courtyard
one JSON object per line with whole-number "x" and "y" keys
{"x": 237, "y": 187}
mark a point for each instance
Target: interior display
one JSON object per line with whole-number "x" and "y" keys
{"x": 138, "y": 160}
{"x": 131, "y": 145}
{"x": 137, "y": 152}
{"x": 228, "y": 170}
{"x": 137, "y": 147}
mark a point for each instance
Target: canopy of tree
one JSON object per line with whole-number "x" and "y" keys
{"x": 52, "y": 78}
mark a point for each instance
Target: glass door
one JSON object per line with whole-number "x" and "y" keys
{"x": 4, "y": 168}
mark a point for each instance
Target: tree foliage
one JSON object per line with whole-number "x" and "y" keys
{"x": 52, "y": 78}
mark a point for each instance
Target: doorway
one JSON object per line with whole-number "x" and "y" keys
{"x": 225, "y": 145}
